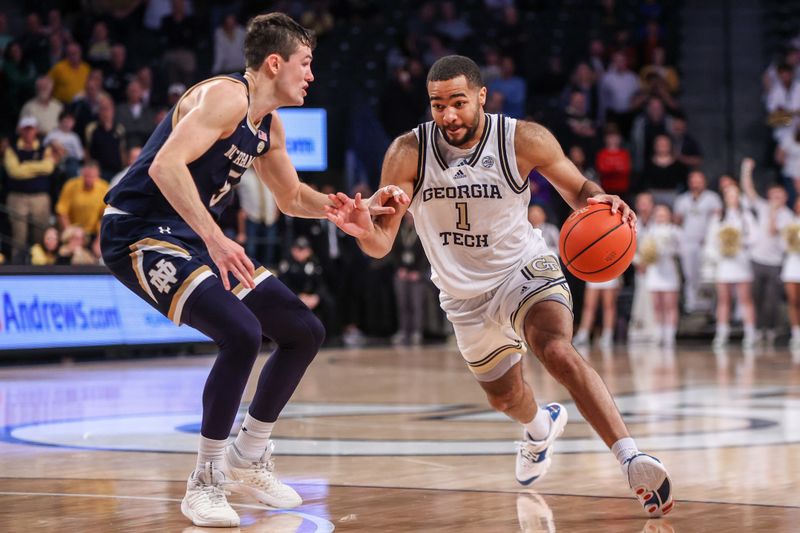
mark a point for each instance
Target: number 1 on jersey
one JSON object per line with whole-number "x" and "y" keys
{"x": 463, "y": 217}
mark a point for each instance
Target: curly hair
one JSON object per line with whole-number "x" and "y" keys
{"x": 449, "y": 67}
{"x": 274, "y": 33}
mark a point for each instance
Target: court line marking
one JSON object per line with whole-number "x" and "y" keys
{"x": 323, "y": 525}
{"x": 352, "y": 486}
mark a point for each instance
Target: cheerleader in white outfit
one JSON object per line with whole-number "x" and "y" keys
{"x": 659, "y": 252}
{"x": 790, "y": 273}
{"x": 593, "y": 294}
{"x": 730, "y": 237}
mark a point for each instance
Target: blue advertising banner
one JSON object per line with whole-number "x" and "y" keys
{"x": 58, "y": 311}
{"x": 306, "y": 137}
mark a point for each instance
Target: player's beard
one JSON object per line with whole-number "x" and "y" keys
{"x": 471, "y": 131}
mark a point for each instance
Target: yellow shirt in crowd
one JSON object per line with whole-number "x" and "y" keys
{"x": 68, "y": 81}
{"x": 83, "y": 208}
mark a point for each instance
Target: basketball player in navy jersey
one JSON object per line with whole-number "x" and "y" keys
{"x": 499, "y": 284}
{"x": 161, "y": 239}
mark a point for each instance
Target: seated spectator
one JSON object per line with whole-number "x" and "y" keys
{"x": 29, "y": 166}
{"x": 791, "y": 57}
{"x": 5, "y": 37}
{"x": 174, "y": 93}
{"x": 302, "y": 274}
{"x": 136, "y": 117}
{"x": 404, "y": 100}
{"x": 613, "y": 164}
{"x": 454, "y": 27}
{"x": 663, "y": 174}
{"x": 98, "y": 53}
{"x": 318, "y": 18}
{"x": 180, "y": 32}
{"x": 105, "y": 139}
{"x": 73, "y": 249}
{"x": 490, "y": 69}
{"x": 687, "y": 149}
{"x": 659, "y": 67}
{"x": 132, "y": 156}
{"x": 18, "y": 76}
{"x": 81, "y": 200}
{"x": 228, "y": 46}
{"x": 597, "y": 57}
{"x": 44, "y": 107}
{"x": 46, "y": 252}
{"x": 150, "y": 96}
{"x": 116, "y": 75}
{"x": 646, "y": 127}
{"x": 576, "y": 126}
{"x": 69, "y": 75}
{"x": 66, "y": 144}
{"x": 583, "y": 80}
{"x": 538, "y": 219}
{"x": 34, "y": 42}
{"x": 513, "y": 88}
{"x": 578, "y": 158}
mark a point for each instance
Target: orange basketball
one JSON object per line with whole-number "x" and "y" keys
{"x": 596, "y": 245}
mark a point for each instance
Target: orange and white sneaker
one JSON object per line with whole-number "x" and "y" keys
{"x": 205, "y": 502}
{"x": 257, "y": 479}
{"x": 649, "y": 481}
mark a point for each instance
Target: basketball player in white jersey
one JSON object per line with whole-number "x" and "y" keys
{"x": 499, "y": 284}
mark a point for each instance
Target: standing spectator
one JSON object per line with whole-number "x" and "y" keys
{"x": 67, "y": 144}
{"x": 45, "y": 252}
{"x": 228, "y": 46}
{"x": 783, "y": 103}
{"x": 261, "y": 219}
{"x": 105, "y": 139}
{"x": 116, "y": 75}
{"x": 594, "y": 295}
{"x": 98, "y": 53}
{"x": 767, "y": 253}
{"x": 687, "y": 149}
{"x": 659, "y": 254}
{"x": 30, "y": 168}
{"x": 44, "y": 107}
{"x": 136, "y": 117}
{"x": 411, "y": 272}
{"x": 85, "y": 105}
{"x": 180, "y": 31}
{"x": 35, "y": 43}
{"x": 302, "y": 274}
{"x": 646, "y": 127}
{"x": 513, "y": 88}
{"x": 731, "y": 236}
{"x": 18, "y": 76}
{"x": 617, "y": 90}
{"x": 69, "y": 75}
{"x": 613, "y": 164}
{"x": 790, "y": 274}
{"x": 642, "y": 324}
{"x": 663, "y": 174}
{"x": 787, "y": 155}
{"x": 81, "y": 201}
{"x": 694, "y": 210}
{"x": 538, "y": 219}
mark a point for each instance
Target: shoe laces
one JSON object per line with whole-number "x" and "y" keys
{"x": 524, "y": 449}
{"x": 216, "y": 495}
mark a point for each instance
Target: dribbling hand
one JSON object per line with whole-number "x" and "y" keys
{"x": 616, "y": 204}
{"x": 230, "y": 258}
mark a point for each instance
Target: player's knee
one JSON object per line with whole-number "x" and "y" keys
{"x": 560, "y": 359}
{"x": 505, "y": 401}
{"x": 243, "y": 336}
{"x": 304, "y": 331}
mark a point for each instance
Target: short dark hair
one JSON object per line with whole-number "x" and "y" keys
{"x": 274, "y": 33}
{"x": 449, "y": 67}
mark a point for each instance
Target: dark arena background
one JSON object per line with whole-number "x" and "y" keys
{"x": 686, "y": 109}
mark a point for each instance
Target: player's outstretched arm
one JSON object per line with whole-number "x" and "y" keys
{"x": 388, "y": 205}
{"x": 210, "y": 114}
{"x": 537, "y": 148}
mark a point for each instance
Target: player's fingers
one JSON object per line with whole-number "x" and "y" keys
{"x": 615, "y": 205}
{"x": 359, "y": 203}
{"x": 223, "y": 274}
{"x": 633, "y": 219}
{"x": 381, "y": 211}
{"x": 592, "y": 200}
{"x": 239, "y": 272}
{"x": 335, "y": 200}
{"x": 343, "y": 197}
{"x": 251, "y": 268}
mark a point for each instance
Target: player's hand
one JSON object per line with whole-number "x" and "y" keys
{"x": 350, "y": 215}
{"x": 231, "y": 259}
{"x": 379, "y": 202}
{"x": 616, "y": 204}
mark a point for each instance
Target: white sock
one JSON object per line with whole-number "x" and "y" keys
{"x": 669, "y": 333}
{"x": 210, "y": 450}
{"x": 749, "y": 331}
{"x": 722, "y": 330}
{"x": 796, "y": 332}
{"x": 539, "y": 427}
{"x": 252, "y": 438}
{"x": 624, "y": 449}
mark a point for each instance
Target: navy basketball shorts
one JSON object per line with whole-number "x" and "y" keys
{"x": 163, "y": 261}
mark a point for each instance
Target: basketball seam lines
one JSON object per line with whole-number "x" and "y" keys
{"x": 628, "y": 247}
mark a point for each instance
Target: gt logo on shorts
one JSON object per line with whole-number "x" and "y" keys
{"x": 545, "y": 263}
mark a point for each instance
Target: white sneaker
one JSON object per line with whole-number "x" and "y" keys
{"x": 581, "y": 338}
{"x": 720, "y": 340}
{"x": 794, "y": 342}
{"x": 649, "y": 481}
{"x": 205, "y": 503}
{"x": 257, "y": 479}
{"x": 606, "y": 341}
{"x": 534, "y": 457}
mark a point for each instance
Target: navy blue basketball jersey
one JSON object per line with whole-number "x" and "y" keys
{"x": 214, "y": 173}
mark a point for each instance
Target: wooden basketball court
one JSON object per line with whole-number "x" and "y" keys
{"x": 402, "y": 440}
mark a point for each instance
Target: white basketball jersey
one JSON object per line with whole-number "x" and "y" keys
{"x": 470, "y": 209}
